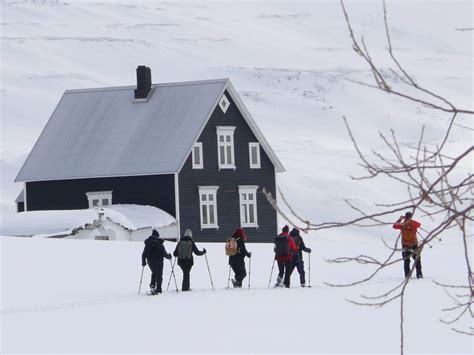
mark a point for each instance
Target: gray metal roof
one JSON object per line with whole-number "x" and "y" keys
{"x": 106, "y": 132}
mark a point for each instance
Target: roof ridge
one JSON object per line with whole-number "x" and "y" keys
{"x": 118, "y": 88}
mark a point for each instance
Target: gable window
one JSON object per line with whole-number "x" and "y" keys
{"x": 224, "y": 103}
{"x": 197, "y": 156}
{"x": 254, "y": 155}
{"x": 99, "y": 198}
{"x": 208, "y": 206}
{"x": 225, "y": 147}
{"x": 248, "y": 206}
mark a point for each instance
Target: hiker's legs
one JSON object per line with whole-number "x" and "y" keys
{"x": 417, "y": 257}
{"x": 186, "y": 276}
{"x": 281, "y": 269}
{"x": 301, "y": 271}
{"x": 406, "y": 253}
{"x": 288, "y": 270}
{"x": 158, "y": 277}
{"x": 239, "y": 272}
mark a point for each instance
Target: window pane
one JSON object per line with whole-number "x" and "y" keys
{"x": 196, "y": 156}
{"x": 95, "y": 203}
{"x": 204, "y": 214}
{"x": 221, "y": 139}
{"x": 105, "y": 202}
{"x": 227, "y": 139}
{"x": 222, "y": 153}
{"x": 251, "y": 214}
{"x": 254, "y": 155}
{"x": 229, "y": 155}
{"x": 250, "y": 196}
{"x": 244, "y": 213}
{"x": 211, "y": 214}
{"x": 211, "y": 197}
{"x": 204, "y": 197}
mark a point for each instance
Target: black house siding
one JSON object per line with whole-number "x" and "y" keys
{"x": 152, "y": 190}
{"x": 228, "y": 209}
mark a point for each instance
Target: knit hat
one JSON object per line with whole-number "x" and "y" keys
{"x": 188, "y": 233}
{"x": 155, "y": 233}
{"x": 408, "y": 215}
{"x": 285, "y": 229}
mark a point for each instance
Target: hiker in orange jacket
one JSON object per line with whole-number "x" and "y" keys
{"x": 409, "y": 227}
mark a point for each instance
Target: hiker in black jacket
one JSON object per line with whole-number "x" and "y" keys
{"x": 236, "y": 261}
{"x": 184, "y": 252}
{"x": 153, "y": 253}
{"x": 298, "y": 262}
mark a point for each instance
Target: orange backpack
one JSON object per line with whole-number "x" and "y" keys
{"x": 231, "y": 247}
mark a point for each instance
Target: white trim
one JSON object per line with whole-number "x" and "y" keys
{"x": 99, "y": 196}
{"x": 24, "y": 196}
{"x": 176, "y": 201}
{"x": 225, "y": 131}
{"x": 201, "y": 162}
{"x": 257, "y": 164}
{"x": 254, "y": 128}
{"x": 245, "y": 192}
{"x": 208, "y": 191}
{"x": 224, "y": 103}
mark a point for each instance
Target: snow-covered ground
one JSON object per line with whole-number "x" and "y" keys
{"x": 290, "y": 62}
{"x": 62, "y": 296}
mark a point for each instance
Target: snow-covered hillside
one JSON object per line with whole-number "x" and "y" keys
{"x": 294, "y": 68}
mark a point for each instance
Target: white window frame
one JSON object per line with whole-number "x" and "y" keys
{"x": 207, "y": 204}
{"x": 225, "y": 131}
{"x": 201, "y": 163}
{"x": 224, "y": 103}
{"x": 254, "y": 165}
{"x": 99, "y": 196}
{"x": 245, "y": 203}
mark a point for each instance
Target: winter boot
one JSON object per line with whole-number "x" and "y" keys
{"x": 303, "y": 285}
{"x": 279, "y": 282}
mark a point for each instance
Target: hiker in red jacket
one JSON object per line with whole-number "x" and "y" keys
{"x": 285, "y": 247}
{"x": 409, "y": 227}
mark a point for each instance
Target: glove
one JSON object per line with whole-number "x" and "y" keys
{"x": 204, "y": 250}
{"x": 250, "y": 254}
{"x": 143, "y": 263}
{"x": 309, "y": 250}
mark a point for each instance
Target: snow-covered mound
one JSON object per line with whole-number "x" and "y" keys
{"x": 69, "y": 222}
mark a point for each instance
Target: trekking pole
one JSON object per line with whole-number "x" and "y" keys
{"x": 250, "y": 269}
{"x": 141, "y": 278}
{"x": 171, "y": 275}
{"x": 424, "y": 230}
{"x": 209, "y": 270}
{"x": 424, "y": 240}
{"x": 271, "y": 273}
{"x": 309, "y": 256}
{"x": 228, "y": 280}
{"x": 174, "y": 277}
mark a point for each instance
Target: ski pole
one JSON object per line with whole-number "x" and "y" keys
{"x": 174, "y": 277}
{"x": 271, "y": 273}
{"x": 424, "y": 241}
{"x": 141, "y": 278}
{"x": 209, "y": 270}
{"x": 434, "y": 236}
{"x": 250, "y": 269}
{"x": 171, "y": 275}
{"x": 228, "y": 280}
{"x": 309, "y": 256}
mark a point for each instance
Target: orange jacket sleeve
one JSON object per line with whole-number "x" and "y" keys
{"x": 397, "y": 225}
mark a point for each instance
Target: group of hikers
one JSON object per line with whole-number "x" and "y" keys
{"x": 288, "y": 248}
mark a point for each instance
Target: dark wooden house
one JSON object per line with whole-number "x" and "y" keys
{"x": 191, "y": 149}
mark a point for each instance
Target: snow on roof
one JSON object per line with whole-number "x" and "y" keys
{"x": 106, "y": 132}
{"x": 62, "y": 223}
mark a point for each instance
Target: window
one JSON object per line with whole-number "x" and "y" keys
{"x": 197, "y": 156}
{"x": 254, "y": 155}
{"x": 224, "y": 103}
{"x": 208, "y": 206}
{"x": 248, "y": 206}
{"x": 99, "y": 198}
{"x": 225, "y": 147}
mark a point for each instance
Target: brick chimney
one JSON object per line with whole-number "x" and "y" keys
{"x": 143, "y": 82}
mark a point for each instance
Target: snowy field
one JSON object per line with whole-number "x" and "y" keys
{"x": 293, "y": 66}
{"x": 62, "y": 296}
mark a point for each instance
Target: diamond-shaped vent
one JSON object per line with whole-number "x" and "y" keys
{"x": 224, "y": 103}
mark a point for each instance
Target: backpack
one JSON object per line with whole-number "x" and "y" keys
{"x": 185, "y": 249}
{"x": 231, "y": 247}
{"x": 281, "y": 246}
